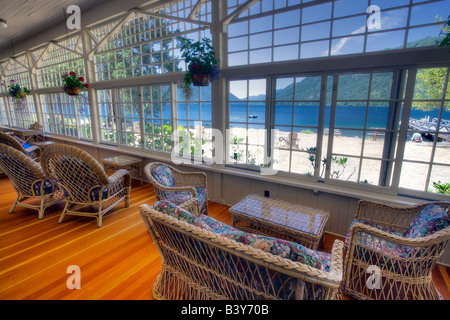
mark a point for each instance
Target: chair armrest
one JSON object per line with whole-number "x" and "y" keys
{"x": 119, "y": 175}
{"x": 191, "y": 206}
{"x": 337, "y": 258}
{"x": 359, "y": 228}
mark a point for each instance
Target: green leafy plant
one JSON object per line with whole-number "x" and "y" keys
{"x": 441, "y": 187}
{"x": 200, "y": 58}
{"x": 73, "y": 84}
{"x": 18, "y": 93}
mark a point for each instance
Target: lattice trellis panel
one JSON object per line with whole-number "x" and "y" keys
{"x": 59, "y": 58}
{"x": 144, "y": 42}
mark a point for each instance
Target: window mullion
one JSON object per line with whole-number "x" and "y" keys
{"x": 404, "y": 128}
{"x": 331, "y": 128}
{"x": 321, "y": 125}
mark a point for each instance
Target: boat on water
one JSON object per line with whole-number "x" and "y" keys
{"x": 252, "y": 116}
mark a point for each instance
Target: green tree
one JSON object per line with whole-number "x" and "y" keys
{"x": 429, "y": 85}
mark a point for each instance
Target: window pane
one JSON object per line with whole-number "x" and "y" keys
{"x": 385, "y": 40}
{"x": 316, "y": 31}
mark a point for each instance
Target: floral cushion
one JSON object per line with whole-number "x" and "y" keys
{"x": 283, "y": 248}
{"x": 164, "y": 176}
{"x": 430, "y": 220}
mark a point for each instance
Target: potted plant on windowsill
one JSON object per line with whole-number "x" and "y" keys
{"x": 201, "y": 63}
{"x": 73, "y": 85}
{"x": 18, "y": 94}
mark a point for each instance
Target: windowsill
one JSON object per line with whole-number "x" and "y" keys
{"x": 315, "y": 186}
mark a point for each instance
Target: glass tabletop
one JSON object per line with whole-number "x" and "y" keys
{"x": 122, "y": 160}
{"x": 291, "y": 215}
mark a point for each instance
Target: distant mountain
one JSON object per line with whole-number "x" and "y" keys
{"x": 351, "y": 86}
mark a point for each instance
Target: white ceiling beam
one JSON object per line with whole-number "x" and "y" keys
{"x": 196, "y": 9}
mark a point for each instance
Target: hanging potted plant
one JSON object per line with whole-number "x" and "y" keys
{"x": 18, "y": 94}
{"x": 201, "y": 63}
{"x": 73, "y": 85}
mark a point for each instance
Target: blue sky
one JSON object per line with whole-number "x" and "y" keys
{"x": 292, "y": 39}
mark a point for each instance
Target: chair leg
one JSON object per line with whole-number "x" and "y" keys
{"x": 127, "y": 197}
{"x": 99, "y": 216}
{"x": 14, "y": 204}
{"x": 41, "y": 209}
{"x": 64, "y": 212}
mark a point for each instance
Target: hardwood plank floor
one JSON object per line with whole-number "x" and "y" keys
{"x": 117, "y": 261}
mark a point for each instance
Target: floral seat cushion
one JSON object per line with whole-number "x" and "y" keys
{"x": 164, "y": 176}
{"x": 283, "y": 248}
{"x": 375, "y": 250}
{"x": 430, "y": 220}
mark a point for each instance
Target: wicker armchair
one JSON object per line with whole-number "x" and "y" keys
{"x": 177, "y": 186}
{"x": 204, "y": 259}
{"x": 84, "y": 181}
{"x": 34, "y": 152}
{"x": 29, "y": 181}
{"x": 392, "y": 250}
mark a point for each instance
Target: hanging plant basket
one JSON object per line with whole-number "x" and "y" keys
{"x": 201, "y": 79}
{"x": 72, "y": 84}
{"x": 72, "y": 91}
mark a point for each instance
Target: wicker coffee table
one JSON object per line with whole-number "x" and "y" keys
{"x": 123, "y": 162}
{"x": 280, "y": 219}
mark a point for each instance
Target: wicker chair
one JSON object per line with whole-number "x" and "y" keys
{"x": 392, "y": 250}
{"x": 34, "y": 152}
{"x": 84, "y": 181}
{"x": 29, "y": 181}
{"x": 204, "y": 259}
{"x": 177, "y": 186}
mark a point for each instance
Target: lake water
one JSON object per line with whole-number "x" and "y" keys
{"x": 347, "y": 117}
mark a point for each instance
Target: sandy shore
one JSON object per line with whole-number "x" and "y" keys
{"x": 413, "y": 174}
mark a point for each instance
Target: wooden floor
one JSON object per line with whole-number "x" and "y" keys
{"x": 117, "y": 261}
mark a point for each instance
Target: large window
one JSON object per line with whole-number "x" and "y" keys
{"x": 157, "y": 107}
{"x": 426, "y": 161}
{"x": 139, "y": 116}
{"x": 346, "y": 128}
{"x": 296, "y": 113}
{"x": 247, "y": 130}
{"x": 193, "y": 118}
{"x": 364, "y": 110}
{"x": 66, "y": 115}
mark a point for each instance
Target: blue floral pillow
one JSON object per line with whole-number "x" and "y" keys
{"x": 164, "y": 176}
{"x": 430, "y": 220}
